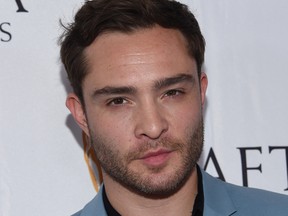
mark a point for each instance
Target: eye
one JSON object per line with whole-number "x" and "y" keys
{"x": 173, "y": 92}
{"x": 117, "y": 101}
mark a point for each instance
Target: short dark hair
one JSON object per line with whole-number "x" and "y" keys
{"x": 99, "y": 16}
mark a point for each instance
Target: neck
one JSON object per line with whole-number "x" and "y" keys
{"x": 128, "y": 203}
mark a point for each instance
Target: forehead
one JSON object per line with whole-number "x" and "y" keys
{"x": 143, "y": 54}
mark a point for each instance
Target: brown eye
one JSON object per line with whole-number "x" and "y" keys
{"x": 173, "y": 92}
{"x": 117, "y": 101}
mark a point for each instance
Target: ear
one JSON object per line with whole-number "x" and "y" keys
{"x": 76, "y": 108}
{"x": 203, "y": 86}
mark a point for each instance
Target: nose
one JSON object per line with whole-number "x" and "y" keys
{"x": 151, "y": 122}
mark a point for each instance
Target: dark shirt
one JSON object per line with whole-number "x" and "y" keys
{"x": 197, "y": 208}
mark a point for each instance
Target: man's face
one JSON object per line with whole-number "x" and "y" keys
{"x": 143, "y": 108}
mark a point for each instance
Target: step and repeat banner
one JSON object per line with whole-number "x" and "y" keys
{"x": 46, "y": 168}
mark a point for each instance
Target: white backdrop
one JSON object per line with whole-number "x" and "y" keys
{"x": 42, "y": 165}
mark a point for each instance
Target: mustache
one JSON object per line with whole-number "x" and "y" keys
{"x": 164, "y": 143}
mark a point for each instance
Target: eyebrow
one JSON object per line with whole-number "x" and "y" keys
{"x": 159, "y": 84}
{"x": 166, "y": 82}
{"x": 109, "y": 90}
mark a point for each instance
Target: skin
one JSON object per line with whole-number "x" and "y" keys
{"x": 143, "y": 114}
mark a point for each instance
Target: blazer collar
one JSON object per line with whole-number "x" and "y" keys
{"x": 217, "y": 200}
{"x": 95, "y": 206}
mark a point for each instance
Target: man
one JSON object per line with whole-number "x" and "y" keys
{"x": 135, "y": 67}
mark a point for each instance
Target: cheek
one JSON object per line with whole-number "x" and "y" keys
{"x": 114, "y": 129}
{"x": 186, "y": 116}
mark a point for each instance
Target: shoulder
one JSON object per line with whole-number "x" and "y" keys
{"x": 248, "y": 199}
{"x": 221, "y": 196}
{"x": 94, "y": 208}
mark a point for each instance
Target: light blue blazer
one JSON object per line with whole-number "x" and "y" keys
{"x": 220, "y": 199}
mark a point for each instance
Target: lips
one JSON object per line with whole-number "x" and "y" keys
{"x": 156, "y": 158}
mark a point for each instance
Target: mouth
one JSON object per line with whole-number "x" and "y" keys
{"x": 156, "y": 158}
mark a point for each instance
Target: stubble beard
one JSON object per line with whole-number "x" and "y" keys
{"x": 152, "y": 185}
